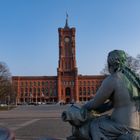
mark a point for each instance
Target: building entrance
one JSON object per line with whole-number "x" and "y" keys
{"x": 68, "y": 94}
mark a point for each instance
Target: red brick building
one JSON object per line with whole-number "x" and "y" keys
{"x": 67, "y": 85}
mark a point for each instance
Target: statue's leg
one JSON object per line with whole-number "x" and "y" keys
{"x": 130, "y": 136}
{"x": 125, "y": 137}
{"x": 104, "y": 128}
{"x": 75, "y": 134}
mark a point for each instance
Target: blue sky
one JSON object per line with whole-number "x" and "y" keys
{"x": 29, "y": 33}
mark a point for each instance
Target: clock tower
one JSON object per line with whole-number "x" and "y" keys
{"x": 67, "y": 71}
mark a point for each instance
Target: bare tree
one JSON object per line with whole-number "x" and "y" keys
{"x": 5, "y": 83}
{"x": 105, "y": 70}
{"x": 132, "y": 62}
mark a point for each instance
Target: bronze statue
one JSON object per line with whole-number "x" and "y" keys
{"x": 120, "y": 91}
{"x": 6, "y": 134}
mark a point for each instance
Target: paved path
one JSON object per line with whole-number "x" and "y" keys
{"x": 34, "y": 122}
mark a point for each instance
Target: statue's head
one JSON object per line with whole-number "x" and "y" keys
{"x": 116, "y": 60}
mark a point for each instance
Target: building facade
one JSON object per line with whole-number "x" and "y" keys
{"x": 68, "y": 86}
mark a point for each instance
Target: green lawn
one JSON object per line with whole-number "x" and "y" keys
{"x": 5, "y": 108}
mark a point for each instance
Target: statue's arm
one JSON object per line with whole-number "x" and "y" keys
{"x": 104, "y": 107}
{"x": 104, "y": 92}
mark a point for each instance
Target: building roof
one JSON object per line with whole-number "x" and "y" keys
{"x": 34, "y": 77}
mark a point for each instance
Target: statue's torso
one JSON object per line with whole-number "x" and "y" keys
{"x": 125, "y": 110}
{"x": 128, "y": 116}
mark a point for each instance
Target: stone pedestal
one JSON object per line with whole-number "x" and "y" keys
{"x": 49, "y": 139}
{"x": 75, "y": 138}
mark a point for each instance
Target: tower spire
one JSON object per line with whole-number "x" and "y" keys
{"x": 66, "y": 24}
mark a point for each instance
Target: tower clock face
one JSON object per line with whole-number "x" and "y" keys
{"x": 67, "y": 39}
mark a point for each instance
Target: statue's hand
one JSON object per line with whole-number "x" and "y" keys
{"x": 94, "y": 114}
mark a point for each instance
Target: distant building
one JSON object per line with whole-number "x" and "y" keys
{"x": 67, "y": 86}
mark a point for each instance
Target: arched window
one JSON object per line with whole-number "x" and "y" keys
{"x": 84, "y": 91}
{"x": 26, "y": 90}
{"x": 34, "y": 90}
{"x": 30, "y": 90}
{"x": 51, "y": 92}
{"x": 50, "y": 83}
{"x": 84, "y": 83}
{"x": 93, "y": 91}
{"x": 30, "y": 84}
{"x": 21, "y": 90}
{"x": 42, "y": 83}
{"x": 80, "y": 91}
{"x": 43, "y": 92}
{"x": 80, "y": 83}
{"x": 21, "y": 95}
{"x": 46, "y": 92}
{"x": 46, "y": 83}
{"x": 88, "y": 83}
{"x": 38, "y": 90}
{"x": 88, "y": 90}
{"x": 66, "y": 65}
{"x": 38, "y": 83}
{"x": 34, "y": 83}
